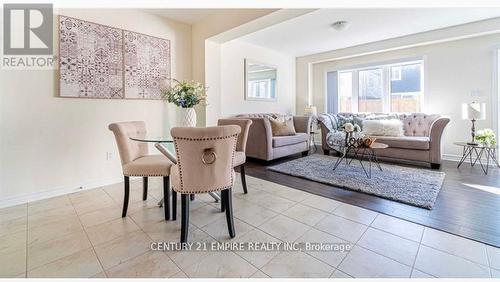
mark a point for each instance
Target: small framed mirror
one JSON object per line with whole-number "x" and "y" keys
{"x": 260, "y": 81}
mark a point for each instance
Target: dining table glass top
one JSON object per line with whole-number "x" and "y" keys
{"x": 153, "y": 139}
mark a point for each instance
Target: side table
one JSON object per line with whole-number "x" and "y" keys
{"x": 311, "y": 141}
{"x": 475, "y": 153}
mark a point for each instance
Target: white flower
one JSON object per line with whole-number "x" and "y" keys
{"x": 348, "y": 127}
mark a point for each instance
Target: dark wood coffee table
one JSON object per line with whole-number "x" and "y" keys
{"x": 362, "y": 154}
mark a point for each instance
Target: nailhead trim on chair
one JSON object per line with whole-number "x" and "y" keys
{"x": 204, "y": 139}
{"x": 146, "y": 175}
{"x": 204, "y": 191}
{"x": 235, "y": 136}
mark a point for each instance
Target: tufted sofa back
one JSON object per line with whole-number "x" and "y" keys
{"x": 418, "y": 124}
{"x": 258, "y": 115}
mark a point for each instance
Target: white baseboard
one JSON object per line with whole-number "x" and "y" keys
{"x": 450, "y": 157}
{"x": 457, "y": 158}
{"x": 30, "y": 197}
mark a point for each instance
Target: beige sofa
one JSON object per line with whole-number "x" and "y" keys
{"x": 421, "y": 141}
{"x": 264, "y": 146}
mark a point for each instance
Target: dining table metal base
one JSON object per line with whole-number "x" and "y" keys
{"x": 214, "y": 195}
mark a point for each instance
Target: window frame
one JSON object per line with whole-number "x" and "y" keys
{"x": 496, "y": 85}
{"x": 386, "y": 82}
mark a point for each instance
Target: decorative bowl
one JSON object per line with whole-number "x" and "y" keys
{"x": 368, "y": 141}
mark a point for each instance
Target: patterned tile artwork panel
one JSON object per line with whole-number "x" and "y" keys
{"x": 98, "y": 61}
{"x": 90, "y": 60}
{"x": 147, "y": 65}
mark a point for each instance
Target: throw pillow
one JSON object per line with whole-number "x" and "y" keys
{"x": 382, "y": 116}
{"x": 358, "y": 121}
{"x": 282, "y": 128}
{"x": 341, "y": 120}
{"x": 383, "y": 127}
{"x": 329, "y": 120}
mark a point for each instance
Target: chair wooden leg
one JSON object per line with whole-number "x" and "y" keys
{"x": 191, "y": 197}
{"x": 126, "y": 187}
{"x": 243, "y": 178}
{"x": 166, "y": 197}
{"x": 222, "y": 201}
{"x": 174, "y": 205}
{"x": 229, "y": 211}
{"x": 144, "y": 188}
{"x": 185, "y": 218}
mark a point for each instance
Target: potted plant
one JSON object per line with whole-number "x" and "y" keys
{"x": 486, "y": 137}
{"x": 186, "y": 94}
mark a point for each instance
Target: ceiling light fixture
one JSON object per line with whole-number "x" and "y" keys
{"x": 340, "y": 25}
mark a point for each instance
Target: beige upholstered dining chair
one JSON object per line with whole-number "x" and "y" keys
{"x": 137, "y": 162}
{"x": 205, "y": 161}
{"x": 239, "y": 156}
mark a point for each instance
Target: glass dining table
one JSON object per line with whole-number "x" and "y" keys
{"x": 161, "y": 143}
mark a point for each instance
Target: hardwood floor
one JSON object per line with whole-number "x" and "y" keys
{"x": 468, "y": 204}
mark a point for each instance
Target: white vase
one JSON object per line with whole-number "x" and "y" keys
{"x": 188, "y": 117}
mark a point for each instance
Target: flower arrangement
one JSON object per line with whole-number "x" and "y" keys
{"x": 349, "y": 127}
{"x": 353, "y": 134}
{"x": 486, "y": 136}
{"x": 186, "y": 94}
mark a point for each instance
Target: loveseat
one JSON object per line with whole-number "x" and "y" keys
{"x": 421, "y": 141}
{"x": 264, "y": 146}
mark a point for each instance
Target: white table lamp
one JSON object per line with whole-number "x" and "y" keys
{"x": 473, "y": 111}
{"x": 311, "y": 111}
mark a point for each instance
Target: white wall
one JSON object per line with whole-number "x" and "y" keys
{"x": 213, "y": 78}
{"x": 212, "y": 25}
{"x": 232, "y": 90}
{"x": 51, "y": 145}
{"x": 451, "y": 71}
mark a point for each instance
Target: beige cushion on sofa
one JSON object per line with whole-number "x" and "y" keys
{"x": 405, "y": 142}
{"x": 151, "y": 165}
{"x": 383, "y": 127}
{"x": 282, "y": 128}
{"x": 280, "y": 141}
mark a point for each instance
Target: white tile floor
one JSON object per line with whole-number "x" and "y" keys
{"x": 83, "y": 235}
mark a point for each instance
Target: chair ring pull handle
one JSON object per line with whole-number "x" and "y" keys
{"x": 208, "y": 152}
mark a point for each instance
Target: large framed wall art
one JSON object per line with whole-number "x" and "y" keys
{"x": 98, "y": 61}
{"x": 147, "y": 65}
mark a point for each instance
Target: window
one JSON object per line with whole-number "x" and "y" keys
{"x": 370, "y": 97}
{"x": 380, "y": 88}
{"x": 395, "y": 73}
{"x": 345, "y": 91}
{"x": 405, "y": 91}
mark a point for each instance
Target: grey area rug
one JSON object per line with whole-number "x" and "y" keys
{"x": 415, "y": 186}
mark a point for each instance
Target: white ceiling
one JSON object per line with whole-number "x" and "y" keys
{"x": 312, "y": 33}
{"x": 187, "y": 16}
